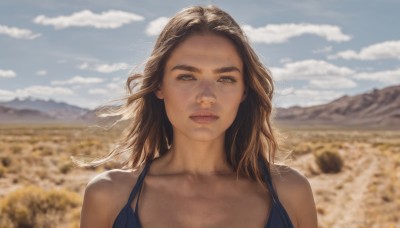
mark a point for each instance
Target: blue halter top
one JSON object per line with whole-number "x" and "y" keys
{"x": 129, "y": 218}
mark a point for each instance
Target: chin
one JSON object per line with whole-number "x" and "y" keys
{"x": 205, "y": 136}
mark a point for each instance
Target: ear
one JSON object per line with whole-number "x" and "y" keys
{"x": 159, "y": 93}
{"x": 244, "y": 95}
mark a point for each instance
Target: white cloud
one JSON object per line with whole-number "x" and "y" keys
{"x": 384, "y": 50}
{"x": 309, "y": 69}
{"x": 7, "y": 74}
{"x": 388, "y": 77}
{"x": 306, "y": 97}
{"x": 84, "y": 66}
{"x": 114, "y": 86}
{"x": 333, "y": 83}
{"x": 6, "y": 93}
{"x": 116, "y": 79}
{"x": 106, "y": 20}
{"x": 98, "y": 91}
{"x": 117, "y": 86}
{"x": 280, "y": 33}
{"x": 104, "y": 68}
{"x": 109, "y": 68}
{"x": 18, "y": 32}
{"x": 41, "y": 72}
{"x": 37, "y": 90}
{"x": 156, "y": 26}
{"x": 323, "y": 50}
{"x": 285, "y": 91}
{"x": 78, "y": 80}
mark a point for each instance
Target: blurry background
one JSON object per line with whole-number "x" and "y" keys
{"x": 336, "y": 66}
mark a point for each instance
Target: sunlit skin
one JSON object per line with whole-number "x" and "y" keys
{"x": 202, "y": 89}
{"x": 192, "y": 185}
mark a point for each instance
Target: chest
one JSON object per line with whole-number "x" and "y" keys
{"x": 203, "y": 208}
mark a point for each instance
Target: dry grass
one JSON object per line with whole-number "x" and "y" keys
{"x": 34, "y": 207}
{"x": 40, "y": 156}
{"x": 363, "y": 194}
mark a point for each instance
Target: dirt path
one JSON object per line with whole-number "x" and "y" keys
{"x": 352, "y": 197}
{"x": 341, "y": 198}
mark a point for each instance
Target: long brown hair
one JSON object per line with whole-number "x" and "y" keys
{"x": 149, "y": 133}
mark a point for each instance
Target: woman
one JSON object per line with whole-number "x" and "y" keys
{"x": 201, "y": 144}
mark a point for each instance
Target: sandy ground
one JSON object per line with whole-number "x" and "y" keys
{"x": 364, "y": 194}
{"x": 347, "y": 199}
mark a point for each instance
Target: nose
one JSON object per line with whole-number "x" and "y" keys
{"x": 206, "y": 97}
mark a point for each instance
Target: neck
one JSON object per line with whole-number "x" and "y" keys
{"x": 196, "y": 158}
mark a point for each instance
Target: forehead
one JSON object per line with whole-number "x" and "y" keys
{"x": 205, "y": 50}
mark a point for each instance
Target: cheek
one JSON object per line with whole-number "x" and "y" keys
{"x": 231, "y": 103}
{"x": 233, "y": 109}
{"x": 175, "y": 102}
{"x": 232, "y": 96}
{"x": 176, "y": 96}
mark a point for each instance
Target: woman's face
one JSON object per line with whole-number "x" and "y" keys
{"x": 202, "y": 87}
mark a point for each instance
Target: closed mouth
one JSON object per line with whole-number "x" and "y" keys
{"x": 204, "y": 117}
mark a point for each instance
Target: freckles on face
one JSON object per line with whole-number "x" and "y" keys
{"x": 202, "y": 86}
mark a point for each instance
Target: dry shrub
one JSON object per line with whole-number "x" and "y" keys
{"x": 35, "y": 207}
{"x": 302, "y": 148}
{"x": 75, "y": 218}
{"x": 43, "y": 150}
{"x": 15, "y": 149}
{"x": 6, "y": 161}
{"x": 329, "y": 161}
{"x": 2, "y": 171}
{"x": 32, "y": 141}
{"x": 66, "y": 167}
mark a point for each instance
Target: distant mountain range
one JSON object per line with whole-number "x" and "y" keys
{"x": 379, "y": 108}
{"x": 32, "y": 110}
{"x": 11, "y": 115}
{"x": 55, "y": 110}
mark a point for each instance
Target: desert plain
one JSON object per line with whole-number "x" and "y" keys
{"x": 40, "y": 186}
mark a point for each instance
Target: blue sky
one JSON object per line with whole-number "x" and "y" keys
{"x": 82, "y": 51}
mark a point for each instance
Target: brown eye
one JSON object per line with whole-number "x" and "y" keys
{"x": 186, "y": 77}
{"x": 227, "y": 79}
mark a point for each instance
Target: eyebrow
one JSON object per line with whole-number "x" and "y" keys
{"x": 196, "y": 70}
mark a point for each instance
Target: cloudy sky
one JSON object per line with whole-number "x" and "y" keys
{"x": 81, "y": 51}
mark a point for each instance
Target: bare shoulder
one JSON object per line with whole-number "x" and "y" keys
{"x": 108, "y": 180}
{"x": 110, "y": 183}
{"x": 105, "y": 195}
{"x": 289, "y": 178}
{"x": 295, "y": 193}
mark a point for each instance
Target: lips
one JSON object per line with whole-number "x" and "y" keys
{"x": 204, "y": 117}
